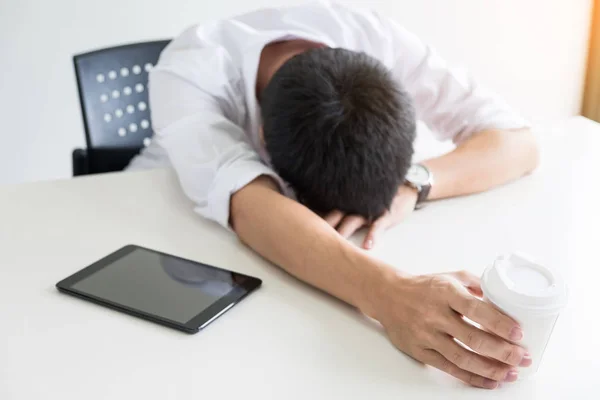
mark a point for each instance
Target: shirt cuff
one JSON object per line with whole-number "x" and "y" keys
{"x": 229, "y": 181}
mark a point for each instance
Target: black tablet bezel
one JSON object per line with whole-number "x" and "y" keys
{"x": 244, "y": 285}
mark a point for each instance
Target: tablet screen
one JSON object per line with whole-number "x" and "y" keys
{"x": 159, "y": 284}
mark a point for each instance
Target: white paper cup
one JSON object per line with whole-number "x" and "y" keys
{"x": 529, "y": 293}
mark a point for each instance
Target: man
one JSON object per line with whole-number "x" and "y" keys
{"x": 319, "y": 103}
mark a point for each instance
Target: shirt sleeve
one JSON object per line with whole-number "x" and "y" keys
{"x": 447, "y": 99}
{"x": 207, "y": 147}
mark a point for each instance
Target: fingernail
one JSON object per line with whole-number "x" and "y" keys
{"x": 526, "y": 361}
{"x": 516, "y": 334}
{"x": 511, "y": 376}
{"x": 369, "y": 244}
{"x": 489, "y": 384}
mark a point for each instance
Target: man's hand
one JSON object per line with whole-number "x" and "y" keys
{"x": 423, "y": 316}
{"x": 403, "y": 204}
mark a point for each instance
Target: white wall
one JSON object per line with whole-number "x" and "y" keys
{"x": 530, "y": 51}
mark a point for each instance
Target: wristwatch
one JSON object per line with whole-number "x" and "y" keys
{"x": 419, "y": 178}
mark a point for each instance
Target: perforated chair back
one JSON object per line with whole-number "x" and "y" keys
{"x": 113, "y": 91}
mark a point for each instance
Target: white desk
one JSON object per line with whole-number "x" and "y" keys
{"x": 286, "y": 341}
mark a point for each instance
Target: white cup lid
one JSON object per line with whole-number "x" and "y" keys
{"x": 517, "y": 283}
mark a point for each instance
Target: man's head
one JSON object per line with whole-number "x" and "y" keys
{"x": 339, "y": 129}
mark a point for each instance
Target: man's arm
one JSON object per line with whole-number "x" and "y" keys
{"x": 293, "y": 237}
{"x": 483, "y": 161}
{"x": 493, "y": 146}
{"x": 418, "y": 312}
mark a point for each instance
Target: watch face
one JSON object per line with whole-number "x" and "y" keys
{"x": 418, "y": 175}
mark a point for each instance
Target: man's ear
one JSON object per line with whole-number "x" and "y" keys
{"x": 261, "y": 135}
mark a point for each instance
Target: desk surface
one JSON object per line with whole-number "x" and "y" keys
{"x": 286, "y": 341}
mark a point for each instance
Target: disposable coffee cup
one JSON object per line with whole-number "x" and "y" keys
{"x": 532, "y": 295}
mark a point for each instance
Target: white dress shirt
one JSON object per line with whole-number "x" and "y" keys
{"x": 206, "y": 116}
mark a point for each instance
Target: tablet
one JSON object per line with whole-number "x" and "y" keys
{"x": 159, "y": 287}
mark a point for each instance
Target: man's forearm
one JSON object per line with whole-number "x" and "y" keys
{"x": 293, "y": 237}
{"x": 486, "y": 160}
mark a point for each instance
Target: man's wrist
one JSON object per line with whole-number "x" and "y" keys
{"x": 408, "y": 192}
{"x": 378, "y": 280}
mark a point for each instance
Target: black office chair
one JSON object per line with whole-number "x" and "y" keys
{"x": 113, "y": 92}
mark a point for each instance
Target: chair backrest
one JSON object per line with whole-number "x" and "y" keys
{"x": 113, "y": 91}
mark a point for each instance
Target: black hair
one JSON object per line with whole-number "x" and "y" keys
{"x": 340, "y": 130}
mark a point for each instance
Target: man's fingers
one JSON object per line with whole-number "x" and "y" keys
{"x": 470, "y": 281}
{"x": 438, "y": 361}
{"x": 350, "y": 224}
{"x": 334, "y": 218}
{"x": 475, "y": 363}
{"x": 376, "y": 229}
{"x": 487, "y": 344}
{"x": 486, "y": 315}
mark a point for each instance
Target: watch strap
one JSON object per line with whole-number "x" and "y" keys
{"x": 423, "y": 193}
